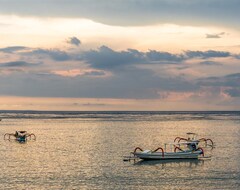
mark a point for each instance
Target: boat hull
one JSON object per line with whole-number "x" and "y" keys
{"x": 168, "y": 155}
{"x": 21, "y": 139}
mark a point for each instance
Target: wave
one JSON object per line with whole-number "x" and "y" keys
{"x": 123, "y": 115}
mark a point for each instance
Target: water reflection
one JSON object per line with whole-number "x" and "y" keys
{"x": 171, "y": 163}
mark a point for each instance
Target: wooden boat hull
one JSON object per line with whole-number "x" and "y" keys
{"x": 168, "y": 155}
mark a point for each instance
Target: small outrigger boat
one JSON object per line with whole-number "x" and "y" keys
{"x": 20, "y": 136}
{"x": 185, "y": 150}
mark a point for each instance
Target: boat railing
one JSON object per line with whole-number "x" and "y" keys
{"x": 136, "y": 149}
{"x": 159, "y": 148}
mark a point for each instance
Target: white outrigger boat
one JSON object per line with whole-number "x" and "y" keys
{"x": 185, "y": 150}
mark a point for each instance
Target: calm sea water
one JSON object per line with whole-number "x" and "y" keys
{"x": 84, "y": 150}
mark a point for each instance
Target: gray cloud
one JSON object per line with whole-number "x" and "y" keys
{"x": 217, "y": 35}
{"x": 237, "y": 56}
{"x": 133, "y": 82}
{"x": 232, "y": 80}
{"x": 74, "y": 41}
{"x": 106, "y": 58}
{"x": 18, "y": 64}
{"x": 154, "y": 55}
{"x": 207, "y": 54}
{"x": 210, "y": 63}
{"x": 109, "y": 59}
{"x": 233, "y": 92}
{"x": 134, "y": 12}
{"x": 55, "y": 54}
{"x": 12, "y": 49}
{"x": 228, "y": 84}
{"x": 95, "y": 73}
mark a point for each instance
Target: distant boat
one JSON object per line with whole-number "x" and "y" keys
{"x": 20, "y": 136}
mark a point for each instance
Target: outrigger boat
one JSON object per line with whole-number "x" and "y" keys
{"x": 185, "y": 150}
{"x": 20, "y": 136}
{"x": 181, "y": 148}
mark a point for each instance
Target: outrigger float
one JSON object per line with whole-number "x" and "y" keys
{"x": 188, "y": 149}
{"x": 20, "y": 136}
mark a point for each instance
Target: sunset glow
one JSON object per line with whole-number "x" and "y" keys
{"x": 71, "y": 60}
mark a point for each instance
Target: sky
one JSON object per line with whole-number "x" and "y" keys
{"x": 160, "y": 55}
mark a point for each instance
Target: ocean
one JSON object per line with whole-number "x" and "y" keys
{"x": 84, "y": 150}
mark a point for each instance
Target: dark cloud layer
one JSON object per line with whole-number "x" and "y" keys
{"x": 133, "y": 83}
{"x": 131, "y": 12}
{"x": 107, "y": 58}
{"x": 110, "y": 73}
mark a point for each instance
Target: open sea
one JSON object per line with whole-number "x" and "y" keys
{"x": 84, "y": 150}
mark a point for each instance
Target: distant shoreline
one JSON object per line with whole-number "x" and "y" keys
{"x": 113, "y": 111}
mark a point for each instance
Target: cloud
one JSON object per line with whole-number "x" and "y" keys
{"x": 216, "y": 35}
{"x": 12, "y": 49}
{"x": 106, "y": 58}
{"x": 123, "y": 12}
{"x": 18, "y": 64}
{"x": 233, "y": 92}
{"x": 154, "y": 55}
{"x": 210, "y": 63}
{"x": 133, "y": 83}
{"x": 136, "y": 76}
{"x": 90, "y": 104}
{"x": 78, "y": 72}
{"x": 109, "y": 73}
{"x": 232, "y": 80}
{"x": 207, "y": 54}
{"x": 55, "y": 54}
{"x": 237, "y": 56}
{"x": 74, "y": 41}
{"x": 95, "y": 73}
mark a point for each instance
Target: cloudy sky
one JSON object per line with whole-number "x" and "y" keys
{"x": 120, "y": 55}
